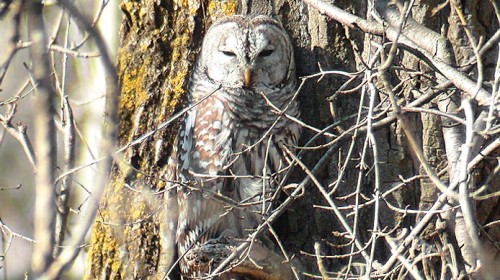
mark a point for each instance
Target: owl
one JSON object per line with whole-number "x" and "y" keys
{"x": 230, "y": 156}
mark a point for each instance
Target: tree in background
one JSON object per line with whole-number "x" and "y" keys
{"x": 52, "y": 94}
{"x": 397, "y": 174}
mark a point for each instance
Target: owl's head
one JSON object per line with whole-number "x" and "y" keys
{"x": 248, "y": 52}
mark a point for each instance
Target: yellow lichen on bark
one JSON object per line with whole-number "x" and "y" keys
{"x": 179, "y": 62}
{"x": 229, "y": 7}
{"x": 179, "y": 70}
{"x": 134, "y": 93}
{"x": 218, "y": 9}
{"x": 104, "y": 246}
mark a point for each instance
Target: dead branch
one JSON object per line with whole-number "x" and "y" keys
{"x": 45, "y": 145}
{"x": 460, "y": 80}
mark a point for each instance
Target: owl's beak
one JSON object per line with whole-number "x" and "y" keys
{"x": 247, "y": 77}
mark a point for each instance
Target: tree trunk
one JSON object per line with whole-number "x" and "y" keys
{"x": 372, "y": 187}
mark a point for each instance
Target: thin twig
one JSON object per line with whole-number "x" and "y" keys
{"x": 20, "y": 133}
{"x": 67, "y": 122}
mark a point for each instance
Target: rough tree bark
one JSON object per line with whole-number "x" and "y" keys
{"x": 159, "y": 44}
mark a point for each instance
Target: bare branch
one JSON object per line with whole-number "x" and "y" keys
{"x": 45, "y": 145}
{"x": 69, "y": 252}
{"x": 460, "y": 80}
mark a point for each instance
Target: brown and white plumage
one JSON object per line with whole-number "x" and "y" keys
{"x": 244, "y": 73}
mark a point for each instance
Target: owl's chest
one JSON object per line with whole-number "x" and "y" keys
{"x": 247, "y": 121}
{"x": 220, "y": 134}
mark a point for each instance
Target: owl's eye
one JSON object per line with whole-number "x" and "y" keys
{"x": 265, "y": 53}
{"x": 228, "y": 53}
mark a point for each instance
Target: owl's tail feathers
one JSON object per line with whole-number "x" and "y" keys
{"x": 205, "y": 218}
{"x": 217, "y": 219}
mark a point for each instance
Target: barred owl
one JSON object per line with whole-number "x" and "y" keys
{"x": 230, "y": 151}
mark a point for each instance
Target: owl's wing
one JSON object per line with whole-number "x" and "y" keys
{"x": 205, "y": 148}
